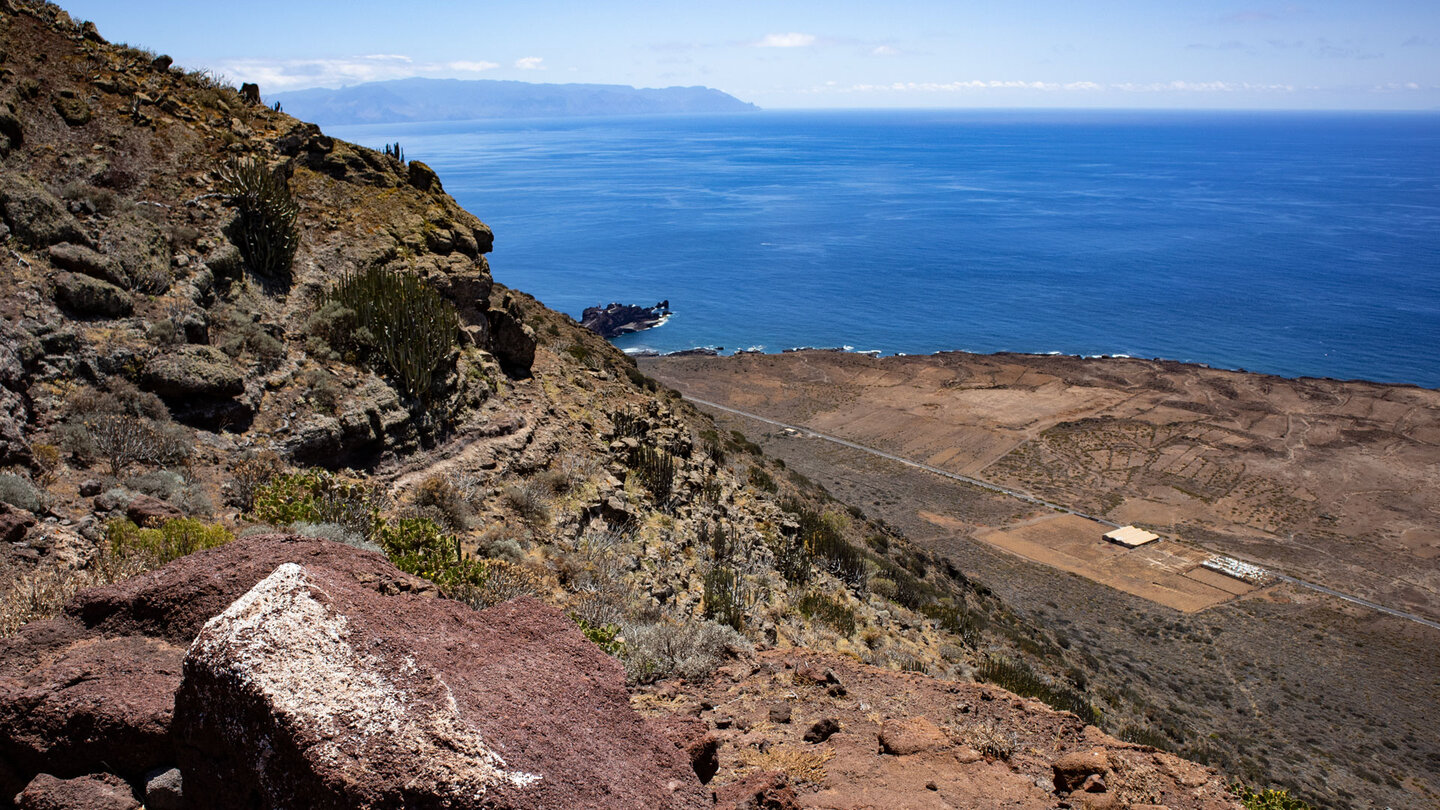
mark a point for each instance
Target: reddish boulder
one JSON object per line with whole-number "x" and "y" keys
{"x": 175, "y": 601}
{"x": 695, "y": 739}
{"x": 767, "y": 790}
{"x": 99, "y": 791}
{"x": 14, "y": 523}
{"x": 144, "y": 510}
{"x": 1072, "y": 770}
{"x": 312, "y": 690}
{"x": 100, "y": 704}
{"x": 911, "y": 736}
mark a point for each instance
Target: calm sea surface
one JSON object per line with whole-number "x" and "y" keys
{"x": 1297, "y": 244}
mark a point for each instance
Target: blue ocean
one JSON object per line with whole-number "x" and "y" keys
{"x": 1289, "y": 243}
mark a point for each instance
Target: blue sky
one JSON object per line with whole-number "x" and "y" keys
{"x": 1357, "y": 54}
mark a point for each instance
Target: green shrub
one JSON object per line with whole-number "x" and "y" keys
{"x": 403, "y": 322}
{"x": 1268, "y": 799}
{"x": 171, "y": 540}
{"x": 761, "y": 479}
{"x": 831, "y": 611}
{"x": 1024, "y": 681}
{"x": 723, "y": 600}
{"x": 606, "y": 636}
{"x": 266, "y": 229}
{"x": 20, "y": 493}
{"x": 655, "y": 469}
{"x": 317, "y": 496}
{"x": 821, "y": 536}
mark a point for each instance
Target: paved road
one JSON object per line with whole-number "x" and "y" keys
{"x": 1028, "y": 498}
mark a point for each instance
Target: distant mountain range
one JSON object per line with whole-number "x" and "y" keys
{"x": 405, "y": 100}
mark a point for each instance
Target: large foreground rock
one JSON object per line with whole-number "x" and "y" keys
{"x": 314, "y": 691}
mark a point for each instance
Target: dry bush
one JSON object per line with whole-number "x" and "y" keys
{"x": 530, "y": 500}
{"x": 438, "y": 496}
{"x": 690, "y": 650}
{"x": 122, "y": 426}
{"x": 503, "y": 581}
{"x": 800, "y": 764}
{"x": 250, "y": 473}
{"x": 42, "y": 592}
{"x": 990, "y": 740}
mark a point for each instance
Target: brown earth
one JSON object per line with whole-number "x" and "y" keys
{"x": 901, "y": 740}
{"x": 1282, "y": 685}
{"x": 1337, "y": 482}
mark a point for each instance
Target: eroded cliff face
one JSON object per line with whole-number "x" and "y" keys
{"x": 152, "y": 376}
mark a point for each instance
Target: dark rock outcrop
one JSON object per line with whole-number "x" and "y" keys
{"x": 615, "y": 319}
{"x": 35, "y": 215}
{"x": 89, "y": 297}
{"x": 193, "y": 371}
{"x": 82, "y": 259}
{"x": 512, "y": 341}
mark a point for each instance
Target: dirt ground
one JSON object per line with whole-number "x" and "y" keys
{"x": 1331, "y": 481}
{"x": 1163, "y": 572}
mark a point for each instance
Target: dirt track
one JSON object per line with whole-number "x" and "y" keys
{"x": 1334, "y": 482}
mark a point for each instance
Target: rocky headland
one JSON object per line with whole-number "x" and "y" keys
{"x": 614, "y": 320}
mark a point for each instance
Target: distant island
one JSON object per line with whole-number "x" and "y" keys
{"x": 409, "y": 100}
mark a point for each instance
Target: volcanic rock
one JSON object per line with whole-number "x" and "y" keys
{"x": 911, "y": 736}
{"x": 99, "y": 704}
{"x": 143, "y": 510}
{"x": 615, "y": 319}
{"x": 99, "y": 791}
{"x": 767, "y": 790}
{"x": 90, "y": 297}
{"x": 194, "y": 371}
{"x": 314, "y": 691}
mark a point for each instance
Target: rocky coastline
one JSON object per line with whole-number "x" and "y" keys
{"x": 615, "y": 319}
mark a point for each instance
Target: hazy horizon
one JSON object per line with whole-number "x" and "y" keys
{"x": 1120, "y": 54}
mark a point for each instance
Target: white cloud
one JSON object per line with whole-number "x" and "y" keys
{"x": 791, "y": 40}
{"x": 530, "y": 63}
{"x": 1203, "y": 87}
{"x": 971, "y": 85}
{"x": 472, "y": 67}
{"x": 884, "y": 50}
{"x": 980, "y": 86}
{"x": 274, "y": 75}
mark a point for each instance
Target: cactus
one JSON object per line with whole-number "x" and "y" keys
{"x": 266, "y": 230}
{"x": 404, "y": 321}
{"x": 394, "y": 151}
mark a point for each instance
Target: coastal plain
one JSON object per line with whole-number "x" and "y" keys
{"x": 1332, "y": 482}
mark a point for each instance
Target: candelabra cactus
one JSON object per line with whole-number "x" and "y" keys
{"x": 402, "y": 320}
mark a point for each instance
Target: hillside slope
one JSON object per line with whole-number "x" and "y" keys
{"x": 180, "y": 363}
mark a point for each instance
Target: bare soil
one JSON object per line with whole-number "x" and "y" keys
{"x": 1327, "y": 480}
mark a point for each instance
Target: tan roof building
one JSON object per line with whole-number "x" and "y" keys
{"x": 1131, "y": 537}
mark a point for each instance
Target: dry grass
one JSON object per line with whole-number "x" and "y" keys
{"x": 801, "y": 764}
{"x": 41, "y": 593}
{"x": 990, "y": 740}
